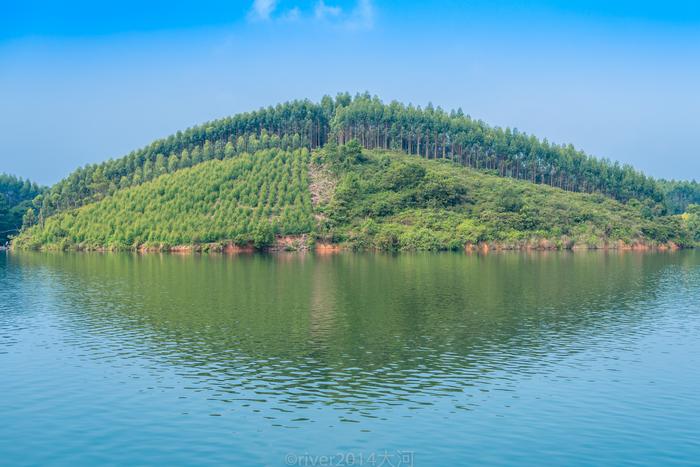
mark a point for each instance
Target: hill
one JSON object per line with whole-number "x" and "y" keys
{"x": 429, "y": 133}
{"x": 365, "y": 199}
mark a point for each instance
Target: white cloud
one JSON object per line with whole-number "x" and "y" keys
{"x": 323, "y": 11}
{"x": 262, "y": 9}
{"x": 362, "y": 16}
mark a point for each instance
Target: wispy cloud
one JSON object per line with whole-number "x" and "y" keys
{"x": 262, "y": 9}
{"x": 360, "y": 16}
{"x": 323, "y": 11}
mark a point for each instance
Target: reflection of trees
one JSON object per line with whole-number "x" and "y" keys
{"x": 352, "y": 328}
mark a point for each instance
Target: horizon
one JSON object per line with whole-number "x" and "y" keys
{"x": 82, "y": 85}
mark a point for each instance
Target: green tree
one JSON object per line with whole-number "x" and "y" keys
{"x": 29, "y": 219}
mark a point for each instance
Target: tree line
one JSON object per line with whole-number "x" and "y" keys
{"x": 680, "y": 195}
{"x": 435, "y": 134}
{"x": 289, "y": 126}
{"x": 16, "y": 196}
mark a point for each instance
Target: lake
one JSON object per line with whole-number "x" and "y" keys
{"x": 416, "y": 359}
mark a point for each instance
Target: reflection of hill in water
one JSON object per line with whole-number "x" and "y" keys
{"x": 354, "y": 329}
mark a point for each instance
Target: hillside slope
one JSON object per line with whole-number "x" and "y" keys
{"x": 244, "y": 200}
{"x": 362, "y": 199}
{"x": 429, "y": 133}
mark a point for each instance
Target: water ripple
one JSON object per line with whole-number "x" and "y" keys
{"x": 570, "y": 358}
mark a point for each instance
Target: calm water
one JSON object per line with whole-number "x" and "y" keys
{"x": 557, "y": 358}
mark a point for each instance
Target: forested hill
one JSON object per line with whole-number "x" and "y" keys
{"x": 16, "y": 196}
{"x": 363, "y": 199}
{"x": 429, "y": 133}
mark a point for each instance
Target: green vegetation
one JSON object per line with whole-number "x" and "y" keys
{"x": 691, "y": 223}
{"x": 395, "y": 202}
{"x": 435, "y": 134}
{"x": 16, "y": 205}
{"x": 680, "y": 195}
{"x": 359, "y": 172}
{"x": 290, "y": 126}
{"x": 367, "y": 200}
{"x": 248, "y": 199}
{"x": 430, "y": 133}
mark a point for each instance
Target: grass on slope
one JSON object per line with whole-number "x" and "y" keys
{"x": 245, "y": 199}
{"x": 396, "y": 202}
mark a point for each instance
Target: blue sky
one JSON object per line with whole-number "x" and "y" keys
{"x": 85, "y": 81}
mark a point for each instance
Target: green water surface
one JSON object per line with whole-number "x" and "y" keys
{"x": 434, "y": 359}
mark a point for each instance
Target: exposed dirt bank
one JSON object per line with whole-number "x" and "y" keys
{"x": 306, "y": 243}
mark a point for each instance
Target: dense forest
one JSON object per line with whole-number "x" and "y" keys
{"x": 16, "y": 200}
{"x": 435, "y": 134}
{"x": 428, "y": 132}
{"x": 364, "y": 199}
{"x": 680, "y": 194}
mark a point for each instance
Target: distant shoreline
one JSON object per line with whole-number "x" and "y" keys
{"x": 300, "y": 244}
